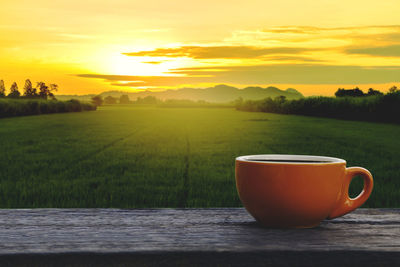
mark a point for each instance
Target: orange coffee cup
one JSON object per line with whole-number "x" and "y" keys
{"x": 297, "y": 191}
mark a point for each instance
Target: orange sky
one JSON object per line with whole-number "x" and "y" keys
{"x": 94, "y": 46}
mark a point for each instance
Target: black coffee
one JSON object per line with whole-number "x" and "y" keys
{"x": 293, "y": 161}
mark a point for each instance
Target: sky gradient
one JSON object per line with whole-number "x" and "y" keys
{"x": 94, "y": 46}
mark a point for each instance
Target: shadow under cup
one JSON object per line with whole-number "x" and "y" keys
{"x": 297, "y": 191}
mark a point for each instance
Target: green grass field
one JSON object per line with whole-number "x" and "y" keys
{"x": 126, "y": 156}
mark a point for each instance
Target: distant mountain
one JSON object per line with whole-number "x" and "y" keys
{"x": 217, "y": 94}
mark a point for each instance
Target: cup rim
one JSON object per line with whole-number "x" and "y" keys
{"x": 288, "y": 159}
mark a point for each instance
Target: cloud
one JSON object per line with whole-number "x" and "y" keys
{"x": 151, "y": 30}
{"x": 299, "y": 74}
{"x": 75, "y": 36}
{"x": 211, "y": 52}
{"x": 262, "y": 74}
{"x": 292, "y": 58}
{"x": 384, "y": 51}
{"x": 289, "y": 55}
{"x": 109, "y": 77}
{"x": 318, "y": 37}
{"x": 153, "y": 62}
{"x": 286, "y": 41}
{"x": 312, "y": 29}
{"x": 293, "y": 29}
{"x": 135, "y": 81}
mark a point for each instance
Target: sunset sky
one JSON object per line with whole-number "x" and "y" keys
{"x": 95, "y": 46}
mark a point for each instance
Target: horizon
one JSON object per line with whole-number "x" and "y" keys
{"x": 365, "y": 90}
{"x": 131, "y": 46}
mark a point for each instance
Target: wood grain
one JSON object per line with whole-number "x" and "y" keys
{"x": 45, "y": 233}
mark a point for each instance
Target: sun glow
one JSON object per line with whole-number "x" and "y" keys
{"x": 85, "y": 48}
{"x": 119, "y": 64}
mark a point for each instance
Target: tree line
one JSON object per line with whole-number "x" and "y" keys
{"x": 356, "y": 92}
{"x": 36, "y": 100}
{"x": 25, "y": 107}
{"x": 40, "y": 91}
{"x": 348, "y": 104}
{"x": 124, "y": 99}
{"x": 152, "y": 100}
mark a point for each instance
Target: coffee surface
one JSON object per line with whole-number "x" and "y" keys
{"x": 291, "y": 161}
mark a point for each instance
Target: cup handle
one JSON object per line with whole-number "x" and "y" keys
{"x": 346, "y": 204}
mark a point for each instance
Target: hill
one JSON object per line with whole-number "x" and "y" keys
{"x": 219, "y": 93}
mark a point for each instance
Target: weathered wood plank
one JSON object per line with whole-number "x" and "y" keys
{"x": 225, "y": 231}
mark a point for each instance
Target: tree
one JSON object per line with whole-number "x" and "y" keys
{"x": 341, "y": 92}
{"x": 238, "y": 102}
{"x": 53, "y": 88}
{"x": 110, "y": 100}
{"x": 280, "y": 99}
{"x": 29, "y": 91}
{"x": 14, "y": 93}
{"x": 46, "y": 91}
{"x": 147, "y": 100}
{"x": 371, "y": 91}
{"x": 43, "y": 89}
{"x": 393, "y": 89}
{"x": 124, "y": 99}
{"x": 97, "y": 100}
{"x": 2, "y": 89}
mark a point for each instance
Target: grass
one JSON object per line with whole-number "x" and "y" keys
{"x": 145, "y": 156}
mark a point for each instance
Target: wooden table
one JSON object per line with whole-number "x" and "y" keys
{"x": 221, "y": 236}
